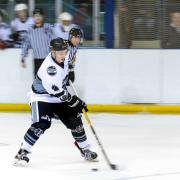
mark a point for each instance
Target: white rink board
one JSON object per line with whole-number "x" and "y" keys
{"x": 104, "y": 76}
{"x": 119, "y": 76}
{"x": 15, "y": 80}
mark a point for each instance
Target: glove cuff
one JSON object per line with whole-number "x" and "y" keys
{"x": 73, "y": 101}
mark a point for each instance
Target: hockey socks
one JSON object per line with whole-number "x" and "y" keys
{"x": 30, "y": 138}
{"x": 79, "y": 134}
{"x": 32, "y": 135}
{"x": 82, "y": 144}
{"x": 35, "y": 131}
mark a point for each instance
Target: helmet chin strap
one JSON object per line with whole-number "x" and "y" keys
{"x": 55, "y": 55}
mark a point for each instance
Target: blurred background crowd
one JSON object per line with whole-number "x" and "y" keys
{"x": 110, "y": 24}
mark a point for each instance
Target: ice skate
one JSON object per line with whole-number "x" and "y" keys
{"x": 87, "y": 153}
{"x": 21, "y": 158}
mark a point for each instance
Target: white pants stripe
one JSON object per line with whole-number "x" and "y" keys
{"x": 35, "y": 112}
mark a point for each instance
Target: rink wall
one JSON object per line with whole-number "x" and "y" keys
{"x": 109, "y": 80}
{"x": 109, "y": 108}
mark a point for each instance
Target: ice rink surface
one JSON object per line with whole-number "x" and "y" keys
{"x": 145, "y": 147}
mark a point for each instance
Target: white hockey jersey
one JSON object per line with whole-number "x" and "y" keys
{"x": 5, "y": 32}
{"x": 61, "y": 32}
{"x": 51, "y": 80}
{"x": 19, "y": 26}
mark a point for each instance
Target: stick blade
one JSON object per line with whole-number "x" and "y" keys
{"x": 114, "y": 166}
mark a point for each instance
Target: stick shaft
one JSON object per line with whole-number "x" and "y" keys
{"x": 97, "y": 138}
{"x": 94, "y": 132}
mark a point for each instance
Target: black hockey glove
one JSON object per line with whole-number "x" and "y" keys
{"x": 77, "y": 104}
{"x": 71, "y": 76}
{"x": 15, "y": 36}
{"x": 22, "y": 60}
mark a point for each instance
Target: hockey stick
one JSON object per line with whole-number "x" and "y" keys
{"x": 112, "y": 166}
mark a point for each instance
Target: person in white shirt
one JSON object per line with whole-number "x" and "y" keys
{"x": 64, "y": 25}
{"x": 20, "y": 24}
{"x": 50, "y": 97}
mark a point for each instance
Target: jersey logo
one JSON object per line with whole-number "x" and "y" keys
{"x": 51, "y": 70}
{"x": 55, "y": 88}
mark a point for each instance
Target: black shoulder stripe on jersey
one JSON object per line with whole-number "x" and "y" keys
{"x": 58, "y": 95}
{"x": 63, "y": 96}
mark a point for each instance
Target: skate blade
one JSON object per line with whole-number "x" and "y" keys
{"x": 91, "y": 160}
{"x": 20, "y": 163}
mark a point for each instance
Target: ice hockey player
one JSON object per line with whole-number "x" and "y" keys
{"x": 50, "y": 96}
{"x": 20, "y": 24}
{"x": 75, "y": 38}
{"x": 64, "y": 24}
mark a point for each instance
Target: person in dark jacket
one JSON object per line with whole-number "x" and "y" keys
{"x": 171, "y": 38}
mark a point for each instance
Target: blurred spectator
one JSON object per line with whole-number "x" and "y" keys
{"x": 38, "y": 38}
{"x": 63, "y": 26}
{"x": 171, "y": 38}
{"x": 145, "y": 25}
{"x": 82, "y": 18}
{"x": 125, "y": 27}
{"x": 5, "y": 32}
{"x": 20, "y": 24}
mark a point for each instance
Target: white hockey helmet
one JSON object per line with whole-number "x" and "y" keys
{"x": 65, "y": 16}
{"x": 20, "y": 7}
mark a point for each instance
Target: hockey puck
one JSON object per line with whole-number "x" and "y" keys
{"x": 94, "y": 169}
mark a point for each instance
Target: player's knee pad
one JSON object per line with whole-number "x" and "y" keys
{"x": 78, "y": 129}
{"x": 79, "y": 134}
{"x": 39, "y": 127}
